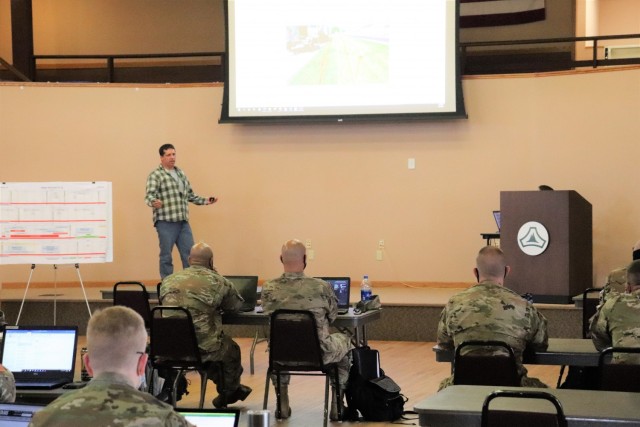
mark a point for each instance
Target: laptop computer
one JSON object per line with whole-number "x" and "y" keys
{"x": 247, "y": 287}
{"x": 212, "y": 417}
{"x": 40, "y": 357}
{"x": 342, "y": 288}
{"x": 17, "y": 414}
{"x": 496, "y": 216}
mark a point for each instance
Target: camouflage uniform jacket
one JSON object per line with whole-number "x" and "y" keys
{"x": 616, "y": 284}
{"x": 7, "y": 386}
{"x": 618, "y": 323}
{"x": 489, "y": 311}
{"x": 295, "y": 291}
{"x": 108, "y": 400}
{"x": 206, "y": 294}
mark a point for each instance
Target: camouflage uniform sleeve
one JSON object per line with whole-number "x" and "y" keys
{"x": 599, "y": 327}
{"x": 539, "y": 334}
{"x": 332, "y": 303}
{"x": 7, "y": 386}
{"x": 231, "y": 301}
{"x": 444, "y": 340}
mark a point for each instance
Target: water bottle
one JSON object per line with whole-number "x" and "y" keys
{"x": 365, "y": 289}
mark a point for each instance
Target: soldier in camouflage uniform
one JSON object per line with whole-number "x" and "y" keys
{"x": 489, "y": 311}
{"x": 205, "y": 293}
{"x": 7, "y": 385}
{"x": 116, "y": 341}
{"x": 618, "y": 320}
{"x": 7, "y": 382}
{"x": 295, "y": 291}
{"x": 617, "y": 279}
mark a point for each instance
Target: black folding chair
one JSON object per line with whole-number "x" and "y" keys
{"x": 619, "y": 375}
{"x": 174, "y": 346}
{"x": 294, "y": 349}
{"x": 135, "y": 296}
{"x": 509, "y": 418}
{"x": 481, "y": 368}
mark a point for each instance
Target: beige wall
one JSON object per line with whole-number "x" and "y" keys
{"x": 344, "y": 187}
{"x": 619, "y": 17}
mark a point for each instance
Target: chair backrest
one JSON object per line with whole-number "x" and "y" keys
{"x": 589, "y": 306}
{"x": 483, "y": 368}
{"x": 135, "y": 296}
{"x": 158, "y": 286}
{"x": 173, "y": 340}
{"x": 619, "y": 376}
{"x": 293, "y": 343}
{"x": 505, "y": 418}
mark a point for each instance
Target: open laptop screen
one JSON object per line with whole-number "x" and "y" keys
{"x": 342, "y": 288}
{"x": 247, "y": 287}
{"x": 31, "y": 352}
{"x": 212, "y": 417}
{"x": 497, "y": 217}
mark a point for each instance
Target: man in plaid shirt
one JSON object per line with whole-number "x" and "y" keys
{"x": 168, "y": 193}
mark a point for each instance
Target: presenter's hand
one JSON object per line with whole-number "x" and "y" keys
{"x": 211, "y": 200}
{"x": 157, "y": 203}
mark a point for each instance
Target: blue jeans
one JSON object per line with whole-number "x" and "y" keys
{"x": 169, "y": 234}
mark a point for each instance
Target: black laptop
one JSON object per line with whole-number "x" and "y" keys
{"x": 342, "y": 288}
{"x": 40, "y": 357}
{"x": 247, "y": 287}
{"x": 18, "y": 414}
{"x": 212, "y": 417}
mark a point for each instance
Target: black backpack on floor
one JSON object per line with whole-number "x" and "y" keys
{"x": 370, "y": 392}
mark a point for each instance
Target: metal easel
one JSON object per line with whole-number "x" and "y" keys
{"x": 55, "y": 287}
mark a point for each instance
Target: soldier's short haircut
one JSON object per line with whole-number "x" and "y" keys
{"x": 633, "y": 273}
{"x": 165, "y": 147}
{"x": 114, "y": 336}
{"x": 293, "y": 250}
{"x": 490, "y": 262}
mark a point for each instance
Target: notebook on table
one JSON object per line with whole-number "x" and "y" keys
{"x": 247, "y": 287}
{"x": 342, "y": 288}
{"x": 212, "y": 417}
{"x": 40, "y": 357}
{"x": 17, "y": 414}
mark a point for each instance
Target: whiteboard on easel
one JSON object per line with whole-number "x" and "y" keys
{"x": 55, "y": 222}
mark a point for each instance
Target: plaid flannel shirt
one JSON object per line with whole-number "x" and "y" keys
{"x": 162, "y": 186}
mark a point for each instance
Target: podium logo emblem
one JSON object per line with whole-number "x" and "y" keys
{"x": 533, "y": 238}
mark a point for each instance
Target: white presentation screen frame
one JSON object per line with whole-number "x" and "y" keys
{"x": 56, "y": 222}
{"x": 339, "y": 60}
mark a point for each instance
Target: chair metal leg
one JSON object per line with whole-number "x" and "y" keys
{"x": 266, "y": 390}
{"x": 203, "y": 386}
{"x": 326, "y": 400}
{"x": 253, "y": 349}
{"x": 337, "y": 388}
{"x": 278, "y": 409}
{"x": 174, "y": 390}
{"x": 255, "y": 342}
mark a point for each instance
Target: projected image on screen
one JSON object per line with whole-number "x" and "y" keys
{"x": 337, "y": 60}
{"x": 333, "y": 55}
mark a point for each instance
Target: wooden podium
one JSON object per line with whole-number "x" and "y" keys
{"x": 565, "y": 268}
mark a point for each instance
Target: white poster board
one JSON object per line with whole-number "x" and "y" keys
{"x": 55, "y": 222}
